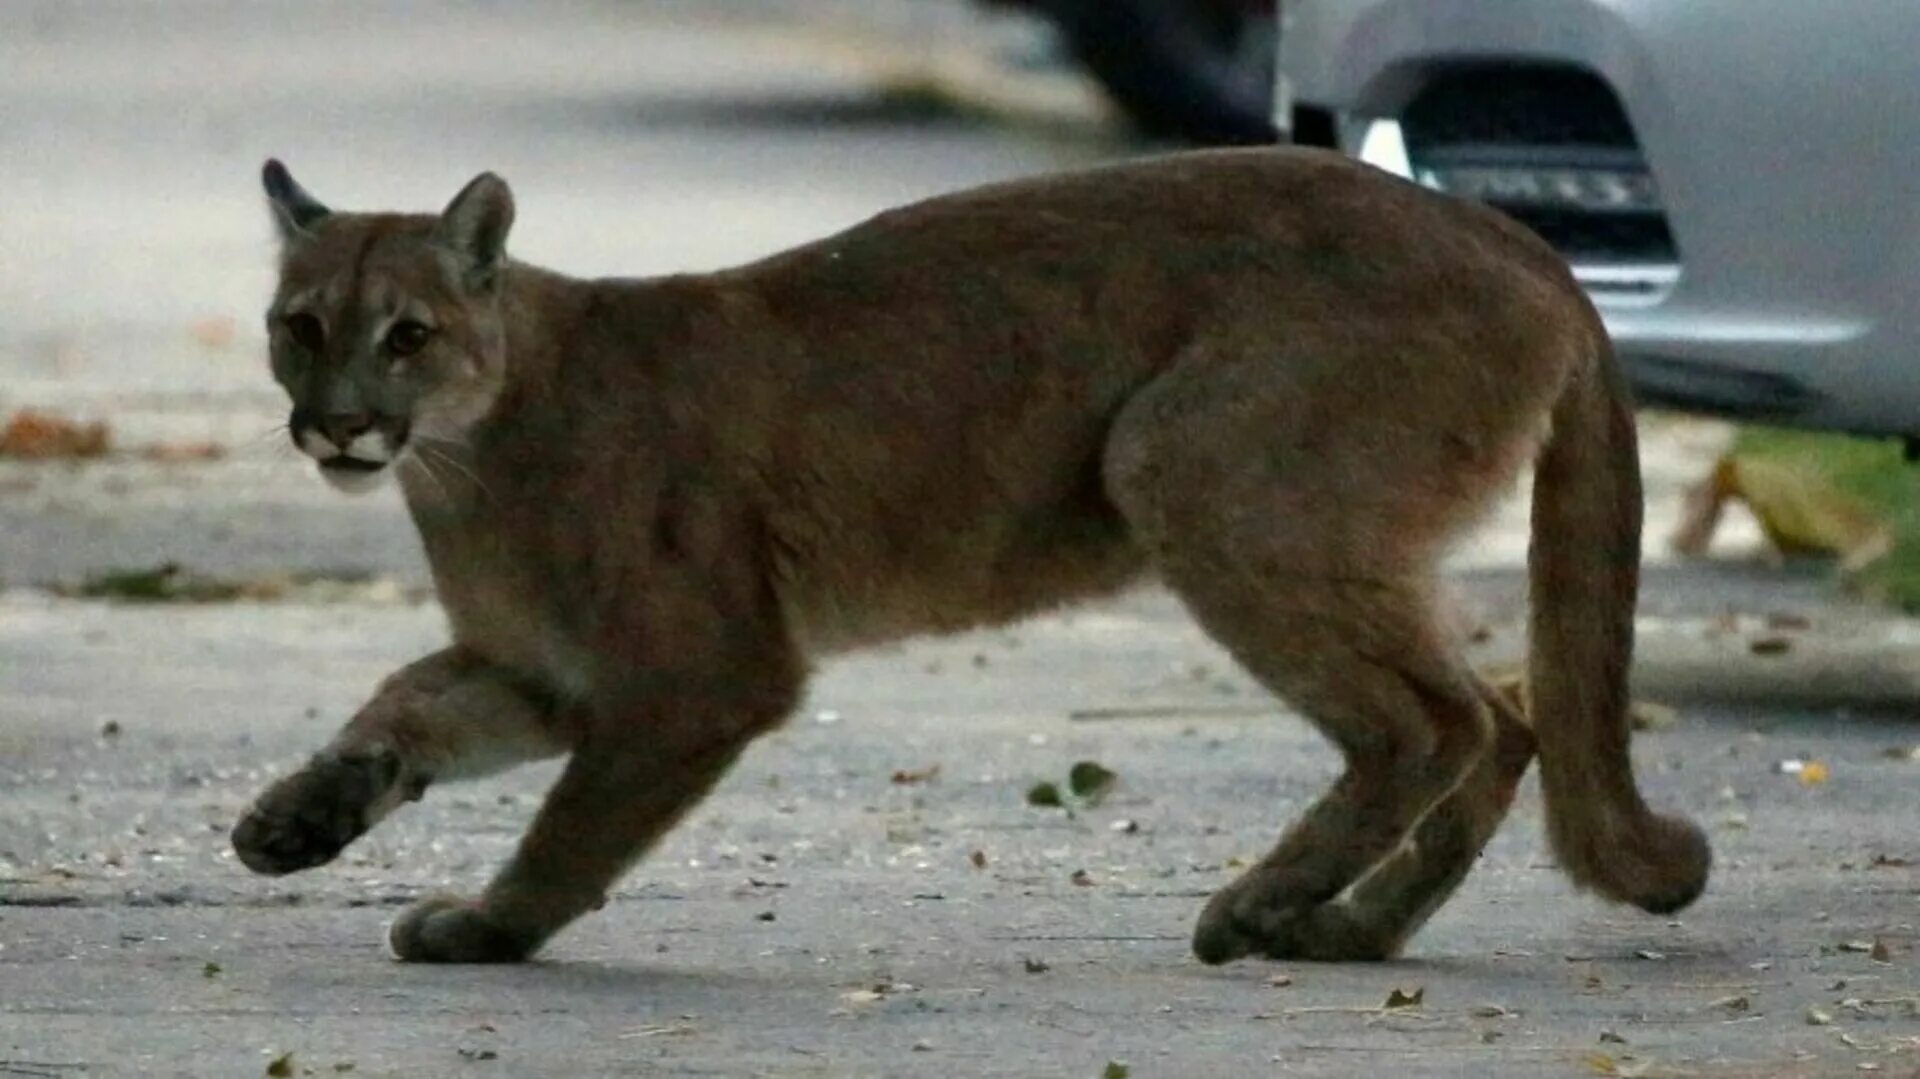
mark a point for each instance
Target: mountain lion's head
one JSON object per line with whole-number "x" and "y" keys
{"x": 386, "y": 329}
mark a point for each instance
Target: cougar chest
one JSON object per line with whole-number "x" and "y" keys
{"x": 500, "y": 605}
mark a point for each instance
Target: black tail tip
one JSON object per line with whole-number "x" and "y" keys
{"x": 1685, "y": 859}
{"x": 1660, "y": 864}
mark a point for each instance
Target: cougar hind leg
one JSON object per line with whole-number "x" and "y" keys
{"x": 1313, "y": 567}
{"x": 1355, "y": 660}
{"x": 1387, "y": 906}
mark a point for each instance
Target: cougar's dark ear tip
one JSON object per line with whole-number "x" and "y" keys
{"x": 294, "y": 210}
{"x": 474, "y": 227}
{"x": 276, "y": 179}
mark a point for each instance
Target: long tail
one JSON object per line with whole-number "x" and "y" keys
{"x": 1585, "y": 573}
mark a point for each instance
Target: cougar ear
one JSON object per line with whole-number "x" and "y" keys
{"x": 294, "y": 211}
{"x": 473, "y": 229}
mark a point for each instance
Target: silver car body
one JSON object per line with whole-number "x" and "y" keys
{"x": 1746, "y": 217}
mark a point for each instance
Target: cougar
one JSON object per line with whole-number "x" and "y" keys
{"x": 1276, "y": 380}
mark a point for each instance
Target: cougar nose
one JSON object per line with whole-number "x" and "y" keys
{"x": 341, "y": 428}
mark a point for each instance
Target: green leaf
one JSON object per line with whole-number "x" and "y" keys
{"x": 1089, "y": 780}
{"x": 1044, "y": 794}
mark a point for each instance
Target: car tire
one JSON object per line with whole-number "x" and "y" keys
{"x": 1178, "y": 69}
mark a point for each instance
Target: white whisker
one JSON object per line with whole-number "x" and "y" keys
{"x": 427, "y": 445}
{"x": 440, "y": 488}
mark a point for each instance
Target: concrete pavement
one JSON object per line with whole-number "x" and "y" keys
{"x": 888, "y": 951}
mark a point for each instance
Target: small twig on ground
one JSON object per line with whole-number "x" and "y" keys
{"x": 668, "y": 1030}
{"x": 40, "y": 1069}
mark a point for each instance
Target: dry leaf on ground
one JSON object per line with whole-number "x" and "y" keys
{"x": 1809, "y": 773}
{"x": 1799, "y": 513}
{"x": 43, "y": 436}
{"x": 1400, "y": 998}
{"x": 1603, "y": 1064}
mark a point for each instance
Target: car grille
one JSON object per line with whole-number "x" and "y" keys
{"x": 1552, "y": 147}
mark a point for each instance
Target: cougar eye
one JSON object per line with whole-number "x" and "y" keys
{"x": 407, "y": 337}
{"x": 306, "y": 331}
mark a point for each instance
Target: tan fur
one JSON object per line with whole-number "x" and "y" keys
{"x": 1279, "y": 380}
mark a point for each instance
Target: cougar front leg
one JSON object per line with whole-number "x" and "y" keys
{"x": 628, "y": 783}
{"x": 451, "y": 715}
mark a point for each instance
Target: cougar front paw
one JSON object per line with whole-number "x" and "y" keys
{"x": 447, "y": 929}
{"x": 307, "y": 818}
